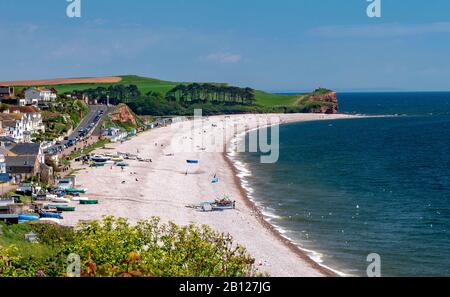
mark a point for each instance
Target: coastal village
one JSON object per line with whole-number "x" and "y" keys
{"x": 37, "y": 179}
{"x": 36, "y": 171}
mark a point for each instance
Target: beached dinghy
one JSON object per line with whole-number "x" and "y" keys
{"x": 50, "y": 220}
{"x": 117, "y": 159}
{"x": 60, "y": 200}
{"x": 99, "y": 159}
{"x": 64, "y": 208}
{"x": 89, "y": 201}
{"x": 75, "y": 191}
{"x": 50, "y": 215}
{"x": 27, "y": 218}
{"x": 78, "y": 199}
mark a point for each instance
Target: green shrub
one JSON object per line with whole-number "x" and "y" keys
{"x": 113, "y": 247}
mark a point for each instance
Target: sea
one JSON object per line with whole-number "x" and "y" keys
{"x": 346, "y": 189}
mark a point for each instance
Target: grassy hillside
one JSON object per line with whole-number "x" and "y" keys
{"x": 146, "y": 85}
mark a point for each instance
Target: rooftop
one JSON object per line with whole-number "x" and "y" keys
{"x": 23, "y": 109}
{"x": 20, "y": 161}
{"x": 26, "y": 149}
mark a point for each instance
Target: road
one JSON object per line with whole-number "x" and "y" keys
{"x": 85, "y": 123}
{"x": 87, "y": 120}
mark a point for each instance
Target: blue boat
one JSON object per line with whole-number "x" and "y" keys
{"x": 51, "y": 215}
{"x": 27, "y": 218}
{"x": 192, "y": 161}
{"x": 56, "y": 205}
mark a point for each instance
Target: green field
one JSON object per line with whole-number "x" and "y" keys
{"x": 146, "y": 85}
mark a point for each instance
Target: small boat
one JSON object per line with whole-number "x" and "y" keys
{"x": 78, "y": 199}
{"x": 218, "y": 207}
{"x": 99, "y": 159}
{"x": 60, "y": 200}
{"x": 75, "y": 191}
{"x": 122, "y": 164}
{"x": 65, "y": 208}
{"x": 50, "y": 215}
{"x": 50, "y": 220}
{"x": 97, "y": 164}
{"x": 192, "y": 161}
{"x": 56, "y": 205}
{"x": 117, "y": 159}
{"x": 27, "y": 218}
{"x": 89, "y": 201}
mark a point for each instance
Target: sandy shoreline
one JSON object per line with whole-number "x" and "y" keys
{"x": 163, "y": 189}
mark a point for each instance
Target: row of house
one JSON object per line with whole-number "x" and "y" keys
{"x": 30, "y": 96}
{"x": 20, "y": 123}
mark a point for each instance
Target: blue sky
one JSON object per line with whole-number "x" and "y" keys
{"x": 275, "y": 45}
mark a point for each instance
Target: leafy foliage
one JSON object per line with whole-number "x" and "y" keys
{"x": 113, "y": 247}
{"x": 61, "y": 117}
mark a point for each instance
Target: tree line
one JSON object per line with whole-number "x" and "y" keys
{"x": 117, "y": 94}
{"x": 218, "y": 94}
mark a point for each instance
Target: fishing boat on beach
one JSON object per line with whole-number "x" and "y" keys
{"x": 88, "y": 201}
{"x": 50, "y": 220}
{"x": 99, "y": 159}
{"x": 50, "y": 215}
{"x": 64, "y": 208}
{"x": 75, "y": 191}
{"x": 59, "y": 200}
{"x": 216, "y": 205}
{"x": 78, "y": 199}
{"x": 28, "y": 218}
{"x": 117, "y": 159}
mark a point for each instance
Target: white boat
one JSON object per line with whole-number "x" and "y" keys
{"x": 50, "y": 197}
{"x": 99, "y": 159}
{"x": 60, "y": 200}
{"x": 50, "y": 220}
{"x": 78, "y": 199}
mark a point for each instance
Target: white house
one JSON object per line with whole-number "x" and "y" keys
{"x": 21, "y": 126}
{"x": 36, "y": 95}
{"x": 32, "y": 118}
{"x": 13, "y": 126}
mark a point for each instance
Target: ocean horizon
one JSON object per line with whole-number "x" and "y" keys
{"x": 344, "y": 189}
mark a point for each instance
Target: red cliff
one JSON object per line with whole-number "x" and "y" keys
{"x": 123, "y": 114}
{"x": 329, "y": 102}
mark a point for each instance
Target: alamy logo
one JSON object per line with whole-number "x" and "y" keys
{"x": 73, "y": 265}
{"x": 374, "y": 9}
{"x": 374, "y": 268}
{"x": 74, "y": 9}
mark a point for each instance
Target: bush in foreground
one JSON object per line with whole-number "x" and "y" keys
{"x": 113, "y": 247}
